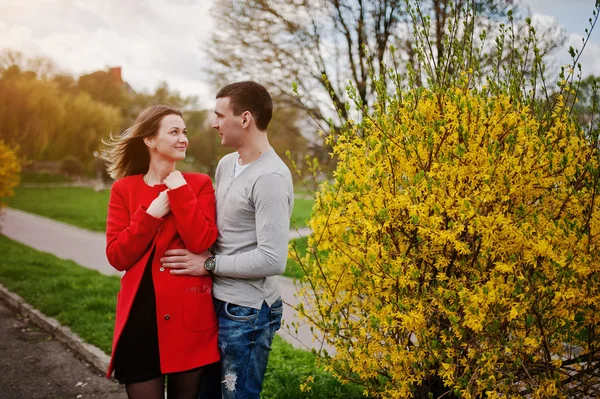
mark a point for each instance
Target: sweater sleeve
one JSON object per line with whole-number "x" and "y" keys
{"x": 127, "y": 236}
{"x": 273, "y": 200}
{"x": 195, "y": 215}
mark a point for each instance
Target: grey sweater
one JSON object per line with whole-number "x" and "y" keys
{"x": 253, "y": 217}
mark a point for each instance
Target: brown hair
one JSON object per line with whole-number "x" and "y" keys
{"x": 249, "y": 96}
{"x": 127, "y": 154}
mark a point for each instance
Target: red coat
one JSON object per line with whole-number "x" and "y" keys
{"x": 187, "y": 325}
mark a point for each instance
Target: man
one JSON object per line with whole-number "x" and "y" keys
{"x": 255, "y": 196}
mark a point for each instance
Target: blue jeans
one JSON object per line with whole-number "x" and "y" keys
{"x": 245, "y": 338}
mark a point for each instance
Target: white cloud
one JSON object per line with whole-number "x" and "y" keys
{"x": 153, "y": 41}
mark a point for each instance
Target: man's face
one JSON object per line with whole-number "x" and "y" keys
{"x": 227, "y": 124}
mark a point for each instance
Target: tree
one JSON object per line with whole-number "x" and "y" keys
{"x": 321, "y": 46}
{"x": 205, "y": 149}
{"x": 49, "y": 123}
{"x": 40, "y": 67}
{"x": 104, "y": 87}
{"x": 455, "y": 252}
{"x": 587, "y": 105}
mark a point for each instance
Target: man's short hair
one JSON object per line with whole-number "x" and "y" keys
{"x": 252, "y": 97}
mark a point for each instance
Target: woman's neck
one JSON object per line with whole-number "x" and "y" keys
{"x": 158, "y": 171}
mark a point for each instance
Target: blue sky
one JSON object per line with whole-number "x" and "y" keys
{"x": 161, "y": 39}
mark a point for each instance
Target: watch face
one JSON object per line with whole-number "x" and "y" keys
{"x": 210, "y": 264}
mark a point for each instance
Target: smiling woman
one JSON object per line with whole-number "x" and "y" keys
{"x": 153, "y": 208}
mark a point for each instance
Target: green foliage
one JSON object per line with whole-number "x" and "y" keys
{"x": 50, "y": 124}
{"x": 103, "y": 87}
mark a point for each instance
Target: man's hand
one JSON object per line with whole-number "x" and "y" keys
{"x": 183, "y": 262}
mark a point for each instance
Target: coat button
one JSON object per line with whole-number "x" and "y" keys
{"x": 162, "y": 269}
{"x": 167, "y": 317}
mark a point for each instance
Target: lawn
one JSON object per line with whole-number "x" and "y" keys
{"x": 80, "y": 206}
{"x": 83, "y": 207}
{"x": 85, "y": 301}
{"x": 43, "y": 178}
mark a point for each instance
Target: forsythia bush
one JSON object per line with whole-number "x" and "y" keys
{"x": 456, "y": 250}
{"x": 9, "y": 171}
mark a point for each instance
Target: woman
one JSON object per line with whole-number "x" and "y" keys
{"x": 165, "y": 325}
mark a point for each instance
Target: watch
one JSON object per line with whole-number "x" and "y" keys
{"x": 210, "y": 264}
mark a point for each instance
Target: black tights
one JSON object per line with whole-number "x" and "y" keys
{"x": 184, "y": 385}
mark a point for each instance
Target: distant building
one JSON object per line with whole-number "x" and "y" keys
{"x": 116, "y": 72}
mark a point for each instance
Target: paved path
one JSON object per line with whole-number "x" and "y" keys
{"x": 87, "y": 248}
{"x": 35, "y": 365}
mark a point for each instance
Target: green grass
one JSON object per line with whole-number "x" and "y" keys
{"x": 288, "y": 368}
{"x": 80, "y": 298}
{"x": 80, "y": 206}
{"x": 43, "y": 178}
{"x": 85, "y": 300}
{"x": 301, "y": 212}
{"x": 293, "y": 269}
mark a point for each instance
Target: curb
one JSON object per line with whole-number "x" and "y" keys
{"x": 90, "y": 353}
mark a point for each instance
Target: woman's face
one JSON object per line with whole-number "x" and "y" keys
{"x": 171, "y": 141}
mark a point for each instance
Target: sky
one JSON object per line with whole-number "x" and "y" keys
{"x": 161, "y": 40}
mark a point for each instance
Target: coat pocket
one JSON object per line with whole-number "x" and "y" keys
{"x": 198, "y": 310}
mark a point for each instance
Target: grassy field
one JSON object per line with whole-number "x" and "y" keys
{"x": 85, "y": 301}
{"x": 83, "y": 207}
{"x": 79, "y": 206}
{"x": 43, "y": 178}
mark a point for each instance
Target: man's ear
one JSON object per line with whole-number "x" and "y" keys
{"x": 246, "y": 118}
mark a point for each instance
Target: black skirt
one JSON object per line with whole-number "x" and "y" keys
{"x": 136, "y": 357}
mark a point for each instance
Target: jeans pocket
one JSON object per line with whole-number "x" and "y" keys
{"x": 277, "y": 308}
{"x": 240, "y": 313}
{"x": 276, "y": 316}
{"x": 198, "y": 311}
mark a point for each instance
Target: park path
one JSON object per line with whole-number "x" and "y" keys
{"x": 87, "y": 248}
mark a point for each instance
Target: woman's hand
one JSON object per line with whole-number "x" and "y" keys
{"x": 174, "y": 180}
{"x": 160, "y": 206}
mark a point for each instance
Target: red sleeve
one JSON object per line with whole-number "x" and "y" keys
{"x": 127, "y": 236}
{"x": 195, "y": 215}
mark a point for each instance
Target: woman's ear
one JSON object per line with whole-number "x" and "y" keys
{"x": 149, "y": 141}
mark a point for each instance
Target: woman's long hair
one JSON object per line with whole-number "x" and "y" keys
{"x": 127, "y": 154}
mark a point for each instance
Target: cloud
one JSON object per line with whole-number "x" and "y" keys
{"x": 590, "y": 58}
{"x": 153, "y": 41}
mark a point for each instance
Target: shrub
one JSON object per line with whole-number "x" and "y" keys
{"x": 454, "y": 254}
{"x": 10, "y": 167}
